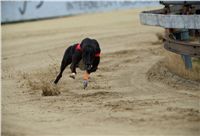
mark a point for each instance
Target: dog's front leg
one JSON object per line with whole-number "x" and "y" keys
{"x": 73, "y": 70}
{"x": 75, "y": 60}
{"x": 95, "y": 65}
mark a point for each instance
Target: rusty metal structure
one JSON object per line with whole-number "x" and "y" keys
{"x": 181, "y": 21}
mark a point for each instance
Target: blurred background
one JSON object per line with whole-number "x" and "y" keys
{"x": 14, "y": 11}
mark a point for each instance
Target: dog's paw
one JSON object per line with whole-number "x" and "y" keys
{"x": 85, "y": 84}
{"x": 52, "y": 82}
{"x": 72, "y": 75}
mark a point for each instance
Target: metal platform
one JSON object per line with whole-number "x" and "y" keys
{"x": 157, "y": 18}
{"x": 179, "y": 18}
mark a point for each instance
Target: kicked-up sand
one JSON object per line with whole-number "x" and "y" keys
{"x": 130, "y": 94}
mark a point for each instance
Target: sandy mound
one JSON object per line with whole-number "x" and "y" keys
{"x": 49, "y": 89}
{"x": 160, "y": 73}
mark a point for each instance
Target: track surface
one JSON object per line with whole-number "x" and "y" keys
{"x": 119, "y": 100}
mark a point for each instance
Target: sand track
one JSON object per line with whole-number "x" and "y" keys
{"x": 125, "y": 96}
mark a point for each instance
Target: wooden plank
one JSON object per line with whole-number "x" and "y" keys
{"x": 192, "y": 50}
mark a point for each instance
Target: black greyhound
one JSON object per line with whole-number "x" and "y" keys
{"x": 88, "y": 50}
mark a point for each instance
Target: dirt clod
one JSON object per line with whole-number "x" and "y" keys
{"x": 50, "y": 90}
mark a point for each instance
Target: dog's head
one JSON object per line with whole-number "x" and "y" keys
{"x": 88, "y": 56}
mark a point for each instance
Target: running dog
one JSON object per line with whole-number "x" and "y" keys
{"x": 88, "y": 51}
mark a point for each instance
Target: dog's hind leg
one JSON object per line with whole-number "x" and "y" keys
{"x": 62, "y": 68}
{"x": 65, "y": 62}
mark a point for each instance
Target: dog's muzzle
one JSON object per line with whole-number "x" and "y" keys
{"x": 88, "y": 67}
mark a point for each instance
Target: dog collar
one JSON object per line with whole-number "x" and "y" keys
{"x": 97, "y": 55}
{"x": 78, "y": 47}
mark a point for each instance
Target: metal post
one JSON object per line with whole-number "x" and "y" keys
{"x": 184, "y": 35}
{"x": 188, "y": 61}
